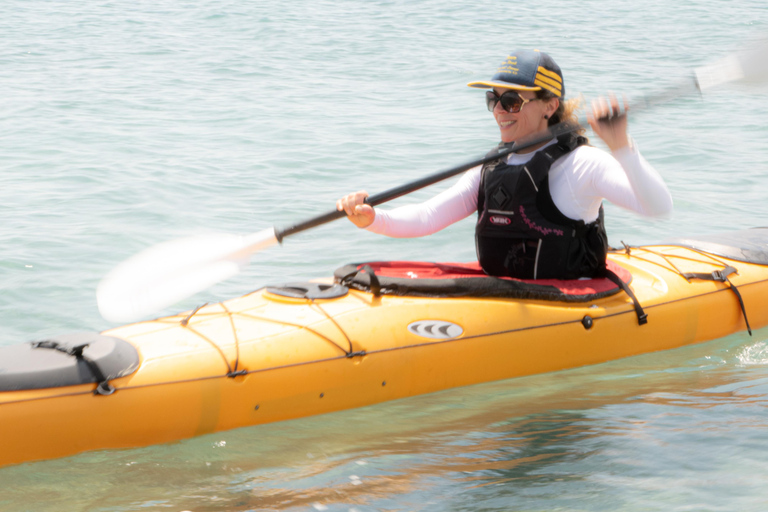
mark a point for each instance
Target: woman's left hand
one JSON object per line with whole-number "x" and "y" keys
{"x": 609, "y": 122}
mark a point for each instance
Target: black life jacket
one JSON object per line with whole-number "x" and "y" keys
{"x": 521, "y": 233}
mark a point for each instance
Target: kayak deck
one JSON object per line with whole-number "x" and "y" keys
{"x": 267, "y": 357}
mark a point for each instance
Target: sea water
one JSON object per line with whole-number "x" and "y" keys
{"x": 125, "y": 124}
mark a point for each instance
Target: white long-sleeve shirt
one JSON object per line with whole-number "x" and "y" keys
{"x": 578, "y": 183}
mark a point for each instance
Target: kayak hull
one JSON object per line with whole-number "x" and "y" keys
{"x": 264, "y": 357}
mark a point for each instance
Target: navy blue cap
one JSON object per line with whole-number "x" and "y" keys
{"x": 527, "y": 70}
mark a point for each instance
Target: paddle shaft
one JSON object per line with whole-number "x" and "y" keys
{"x": 407, "y": 188}
{"x": 553, "y": 131}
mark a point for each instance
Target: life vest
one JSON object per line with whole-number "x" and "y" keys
{"x": 521, "y": 233}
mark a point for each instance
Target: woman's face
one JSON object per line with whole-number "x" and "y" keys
{"x": 529, "y": 120}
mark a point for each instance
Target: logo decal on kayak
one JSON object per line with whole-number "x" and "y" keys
{"x": 435, "y": 329}
{"x": 498, "y": 219}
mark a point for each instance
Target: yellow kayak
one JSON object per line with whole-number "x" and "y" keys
{"x": 311, "y": 348}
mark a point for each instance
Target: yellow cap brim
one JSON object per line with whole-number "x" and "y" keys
{"x": 502, "y": 85}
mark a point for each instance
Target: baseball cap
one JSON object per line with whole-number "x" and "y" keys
{"x": 527, "y": 70}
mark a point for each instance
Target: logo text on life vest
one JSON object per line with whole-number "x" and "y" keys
{"x": 499, "y": 220}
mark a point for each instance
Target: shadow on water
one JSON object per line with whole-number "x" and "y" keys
{"x": 595, "y": 435}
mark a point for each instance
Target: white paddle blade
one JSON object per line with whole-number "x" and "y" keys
{"x": 754, "y": 62}
{"x": 723, "y": 71}
{"x": 170, "y": 272}
{"x": 750, "y": 65}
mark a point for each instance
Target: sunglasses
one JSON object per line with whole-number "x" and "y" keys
{"x": 511, "y": 101}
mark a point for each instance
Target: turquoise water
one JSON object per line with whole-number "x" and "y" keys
{"x": 125, "y": 124}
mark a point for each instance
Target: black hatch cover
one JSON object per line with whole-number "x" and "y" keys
{"x": 46, "y": 364}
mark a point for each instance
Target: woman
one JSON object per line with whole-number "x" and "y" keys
{"x": 539, "y": 210}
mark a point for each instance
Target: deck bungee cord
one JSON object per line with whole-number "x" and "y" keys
{"x": 718, "y": 275}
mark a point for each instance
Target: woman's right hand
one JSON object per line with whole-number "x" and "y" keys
{"x": 609, "y": 122}
{"x": 360, "y": 213}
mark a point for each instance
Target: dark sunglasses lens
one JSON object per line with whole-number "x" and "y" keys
{"x": 491, "y": 98}
{"x": 511, "y": 102}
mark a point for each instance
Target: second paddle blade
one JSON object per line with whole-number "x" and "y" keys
{"x": 173, "y": 271}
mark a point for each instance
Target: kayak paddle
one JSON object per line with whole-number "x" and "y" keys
{"x": 172, "y": 271}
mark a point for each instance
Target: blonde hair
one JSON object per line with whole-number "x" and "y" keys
{"x": 567, "y": 110}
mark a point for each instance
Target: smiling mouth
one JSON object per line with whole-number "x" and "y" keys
{"x": 505, "y": 124}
